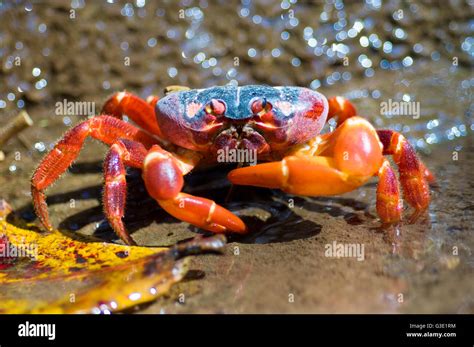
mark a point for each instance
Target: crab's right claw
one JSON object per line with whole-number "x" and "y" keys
{"x": 163, "y": 177}
{"x": 203, "y": 213}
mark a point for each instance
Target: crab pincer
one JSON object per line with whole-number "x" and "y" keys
{"x": 164, "y": 181}
{"x": 339, "y": 165}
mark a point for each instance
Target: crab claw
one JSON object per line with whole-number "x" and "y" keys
{"x": 163, "y": 177}
{"x": 348, "y": 158}
{"x": 310, "y": 176}
{"x": 203, "y": 213}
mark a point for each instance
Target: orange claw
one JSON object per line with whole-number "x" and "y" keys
{"x": 310, "y": 176}
{"x": 342, "y": 161}
{"x": 163, "y": 176}
{"x": 204, "y": 213}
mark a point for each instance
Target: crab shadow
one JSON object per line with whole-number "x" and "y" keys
{"x": 249, "y": 203}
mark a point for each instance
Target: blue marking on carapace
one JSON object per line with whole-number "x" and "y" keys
{"x": 238, "y": 100}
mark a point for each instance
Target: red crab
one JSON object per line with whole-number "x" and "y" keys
{"x": 280, "y": 124}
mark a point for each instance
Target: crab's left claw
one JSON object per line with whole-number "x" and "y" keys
{"x": 318, "y": 176}
{"x": 310, "y": 176}
{"x": 344, "y": 160}
{"x": 349, "y": 157}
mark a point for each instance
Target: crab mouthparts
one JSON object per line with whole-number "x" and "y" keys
{"x": 245, "y": 138}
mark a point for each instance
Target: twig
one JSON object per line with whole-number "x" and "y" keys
{"x": 13, "y": 128}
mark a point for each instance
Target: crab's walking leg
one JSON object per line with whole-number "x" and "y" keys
{"x": 140, "y": 111}
{"x": 163, "y": 176}
{"x": 389, "y": 206}
{"x": 341, "y": 108}
{"x": 413, "y": 174}
{"x": 104, "y": 128}
{"x": 152, "y": 100}
{"x": 121, "y": 153}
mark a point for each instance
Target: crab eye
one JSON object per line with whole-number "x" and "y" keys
{"x": 215, "y": 107}
{"x": 261, "y": 106}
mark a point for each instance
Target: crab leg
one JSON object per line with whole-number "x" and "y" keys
{"x": 414, "y": 176}
{"x": 163, "y": 176}
{"x": 152, "y": 100}
{"x": 104, "y": 128}
{"x": 341, "y": 108}
{"x": 389, "y": 206}
{"x": 121, "y": 153}
{"x": 140, "y": 111}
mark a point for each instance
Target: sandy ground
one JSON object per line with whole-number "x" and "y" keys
{"x": 281, "y": 265}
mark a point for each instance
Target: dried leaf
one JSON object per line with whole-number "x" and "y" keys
{"x": 51, "y": 273}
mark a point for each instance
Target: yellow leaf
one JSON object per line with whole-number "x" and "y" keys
{"x": 51, "y": 273}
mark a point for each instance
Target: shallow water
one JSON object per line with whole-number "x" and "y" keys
{"x": 281, "y": 265}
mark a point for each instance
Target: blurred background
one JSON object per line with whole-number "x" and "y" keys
{"x": 368, "y": 51}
